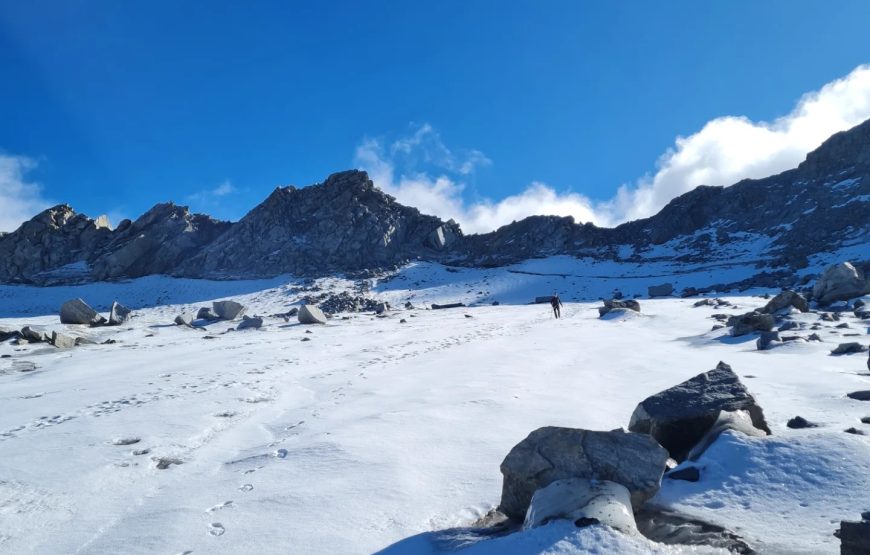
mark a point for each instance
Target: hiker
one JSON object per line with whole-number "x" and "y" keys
{"x": 556, "y": 302}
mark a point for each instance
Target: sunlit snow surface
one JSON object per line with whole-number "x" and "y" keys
{"x": 377, "y": 434}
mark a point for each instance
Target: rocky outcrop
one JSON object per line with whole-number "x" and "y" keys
{"x": 346, "y": 224}
{"x": 343, "y": 224}
{"x": 785, "y": 300}
{"x": 583, "y": 500}
{"x": 679, "y": 417}
{"x": 548, "y": 454}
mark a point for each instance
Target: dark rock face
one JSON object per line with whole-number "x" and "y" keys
{"x": 346, "y": 224}
{"x": 679, "y": 417}
{"x": 854, "y": 537}
{"x": 342, "y": 224}
{"x": 548, "y": 454}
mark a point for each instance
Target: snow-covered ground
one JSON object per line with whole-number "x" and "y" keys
{"x": 375, "y": 433}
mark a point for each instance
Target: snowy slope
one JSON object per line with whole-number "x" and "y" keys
{"x": 376, "y": 431}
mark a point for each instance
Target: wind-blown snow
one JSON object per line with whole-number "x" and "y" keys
{"x": 375, "y": 431}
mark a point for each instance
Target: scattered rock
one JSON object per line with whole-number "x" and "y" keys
{"x": 790, "y": 325}
{"x": 750, "y": 322}
{"x": 444, "y": 306}
{"x": 840, "y": 282}
{"x": 403, "y": 321}
{"x": 119, "y": 314}
{"x": 615, "y": 304}
{"x": 849, "y": 348}
{"x": 184, "y": 320}
{"x": 855, "y": 431}
{"x": 679, "y": 417}
{"x": 310, "y": 314}
{"x": 829, "y": 317}
{"x": 767, "y": 340}
{"x": 62, "y": 341}
{"x": 813, "y": 337}
{"x": 33, "y": 335}
{"x": 249, "y": 323}
{"x": 77, "y": 311}
{"x": 663, "y": 290}
{"x": 799, "y": 422}
{"x": 863, "y": 395}
{"x": 205, "y": 313}
{"x": 787, "y": 298}
{"x": 165, "y": 462}
{"x": 381, "y": 308}
{"x": 228, "y": 310}
{"x": 548, "y": 454}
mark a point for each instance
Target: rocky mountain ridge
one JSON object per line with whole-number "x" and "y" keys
{"x": 346, "y": 224}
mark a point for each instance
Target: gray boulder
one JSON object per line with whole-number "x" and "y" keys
{"x": 7, "y": 333}
{"x": 228, "y": 310}
{"x": 679, "y": 417}
{"x": 62, "y": 341}
{"x": 34, "y": 335}
{"x": 751, "y": 322}
{"x": 663, "y": 290}
{"x": 552, "y": 453}
{"x": 840, "y": 282}
{"x": 205, "y": 313}
{"x": 77, "y": 311}
{"x": 119, "y": 314}
{"x": 310, "y": 314}
{"x": 784, "y": 300}
{"x": 249, "y": 323}
{"x": 184, "y": 320}
{"x": 381, "y": 308}
{"x": 614, "y": 304}
{"x": 841, "y": 349}
{"x": 767, "y": 340}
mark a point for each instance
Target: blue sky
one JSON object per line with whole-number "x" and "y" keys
{"x": 114, "y": 106}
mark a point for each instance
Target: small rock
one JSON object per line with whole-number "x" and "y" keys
{"x": 799, "y": 422}
{"x": 184, "y": 320}
{"x": 119, "y": 314}
{"x": 249, "y": 323}
{"x": 205, "y": 313}
{"x": 849, "y": 348}
{"x": 688, "y": 474}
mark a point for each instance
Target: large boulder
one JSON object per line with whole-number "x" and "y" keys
{"x": 593, "y": 501}
{"x": 663, "y": 290}
{"x": 679, "y": 417}
{"x": 119, "y": 314}
{"x": 552, "y": 453}
{"x": 228, "y": 310}
{"x": 840, "y": 282}
{"x": 62, "y": 341}
{"x": 751, "y": 322}
{"x": 784, "y": 300}
{"x": 615, "y": 304}
{"x": 77, "y": 311}
{"x": 310, "y": 314}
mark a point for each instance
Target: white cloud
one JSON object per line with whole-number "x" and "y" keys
{"x": 729, "y": 149}
{"x": 20, "y": 199}
{"x": 724, "y": 151}
{"x": 441, "y": 194}
{"x": 210, "y": 195}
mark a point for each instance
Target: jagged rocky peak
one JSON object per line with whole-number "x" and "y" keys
{"x": 845, "y": 150}
{"x": 54, "y": 238}
{"x": 157, "y": 242}
{"x": 344, "y": 223}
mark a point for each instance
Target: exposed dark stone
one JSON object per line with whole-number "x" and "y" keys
{"x": 679, "y": 417}
{"x": 799, "y": 422}
{"x": 688, "y": 474}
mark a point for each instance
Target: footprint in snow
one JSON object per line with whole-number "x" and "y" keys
{"x": 281, "y": 453}
{"x": 216, "y": 529}
{"x": 219, "y": 506}
{"x": 125, "y": 440}
{"x": 246, "y": 487}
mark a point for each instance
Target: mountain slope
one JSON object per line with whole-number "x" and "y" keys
{"x": 347, "y": 224}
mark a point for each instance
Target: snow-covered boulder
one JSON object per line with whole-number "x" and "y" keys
{"x": 663, "y": 290}
{"x": 553, "y": 453}
{"x": 679, "y": 417}
{"x": 310, "y": 314}
{"x": 784, "y": 300}
{"x": 736, "y": 421}
{"x": 615, "y": 304}
{"x": 119, "y": 314}
{"x": 840, "y": 282}
{"x": 751, "y": 322}
{"x": 228, "y": 310}
{"x": 573, "y": 499}
{"x": 77, "y": 311}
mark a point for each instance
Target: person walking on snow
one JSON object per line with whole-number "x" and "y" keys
{"x": 556, "y": 303}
